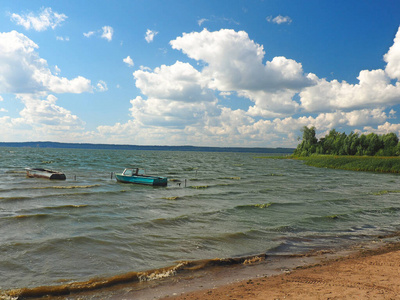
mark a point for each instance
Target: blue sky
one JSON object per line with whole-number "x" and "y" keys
{"x": 207, "y": 73}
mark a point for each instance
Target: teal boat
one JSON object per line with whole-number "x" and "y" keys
{"x": 139, "y": 176}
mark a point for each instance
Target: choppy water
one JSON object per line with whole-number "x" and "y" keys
{"x": 233, "y": 204}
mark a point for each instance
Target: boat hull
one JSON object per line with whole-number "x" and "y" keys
{"x": 146, "y": 180}
{"x": 43, "y": 173}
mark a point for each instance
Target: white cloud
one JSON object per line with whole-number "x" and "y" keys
{"x": 108, "y": 32}
{"x": 23, "y": 71}
{"x": 235, "y": 63}
{"x": 182, "y": 102}
{"x": 185, "y": 102}
{"x": 384, "y": 128}
{"x": 89, "y": 34}
{"x": 41, "y": 119}
{"x": 150, "y": 34}
{"x": 374, "y": 88}
{"x": 61, "y": 38}
{"x": 175, "y": 96}
{"x": 57, "y": 70}
{"x": 393, "y": 58}
{"x": 44, "y": 112}
{"x": 40, "y": 22}
{"x": 128, "y": 60}
{"x": 279, "y": 19}
{"x": 179, "y": 82}
{"x": 201, "y": 21}
{"x": 102, "y": 86}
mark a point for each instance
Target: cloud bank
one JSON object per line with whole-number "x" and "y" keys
{"x": 26, "y": 75}
{"x": 183, "y": 99}
{"x": 189, "y": 102}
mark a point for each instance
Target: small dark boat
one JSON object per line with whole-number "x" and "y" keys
{"x": 44, "y": 173}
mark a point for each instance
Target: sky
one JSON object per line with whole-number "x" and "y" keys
{"x": 239, "y": 73}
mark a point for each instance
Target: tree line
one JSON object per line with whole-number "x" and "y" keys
{"x": 336, "y": 143}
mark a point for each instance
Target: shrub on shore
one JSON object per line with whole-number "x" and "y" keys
{"x": 355, "y": 163}
{"x": 336, "y": 143}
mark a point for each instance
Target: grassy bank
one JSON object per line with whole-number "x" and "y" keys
{"x": 354, "y": 163}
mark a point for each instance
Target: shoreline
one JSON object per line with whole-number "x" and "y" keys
{"x": 365, "y": 274}
{"x": 261, "y": 277}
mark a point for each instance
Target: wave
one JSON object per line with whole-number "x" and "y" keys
{"x": 49, "y": 187}
{"x": 25, "y": 198}
{"x": 183, "y": 267}
{"x": 59, "y": 207}
{"x": 180, "y": 220}
{"x": 262, "y": 205}
{"x": 35, "y": 216}
{"x": 266, "y": 205}
{"x": 66, "y": 187}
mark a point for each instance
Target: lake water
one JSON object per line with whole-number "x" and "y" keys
{"x": 215, "y": 205}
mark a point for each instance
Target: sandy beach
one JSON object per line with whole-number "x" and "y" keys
{"x": 370, "y": 274}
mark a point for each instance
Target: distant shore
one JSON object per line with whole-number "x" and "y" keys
{"x": 380, "y": 164}
{"x": 144, "y": 147}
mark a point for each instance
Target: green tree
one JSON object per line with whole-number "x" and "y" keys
{"x": 309, "y": 143}
{"x": 390, "y": 142}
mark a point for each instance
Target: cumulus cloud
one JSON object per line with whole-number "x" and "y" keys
{"x": 108, "y": 32}
{"x": 374, "y": 88}
{"x": 128, "y": 60}
{"x": 23, "y": 71}
{"x": 383, "y": 128}
{"x": 45, "y": 19}
{"x": 392, "y": 58}
{"x": 150, "y": 34}
{"x": 235, "y": 63}
{"x": 44, "y": 112}
{"x": 182, "y": 99}
{"x": 279, "y": 19}
{"x": 186, "y": 102}
{"x": 26, "y": 75}
{"x": 175, "y": 96}
{"x": 179, "y": 82}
